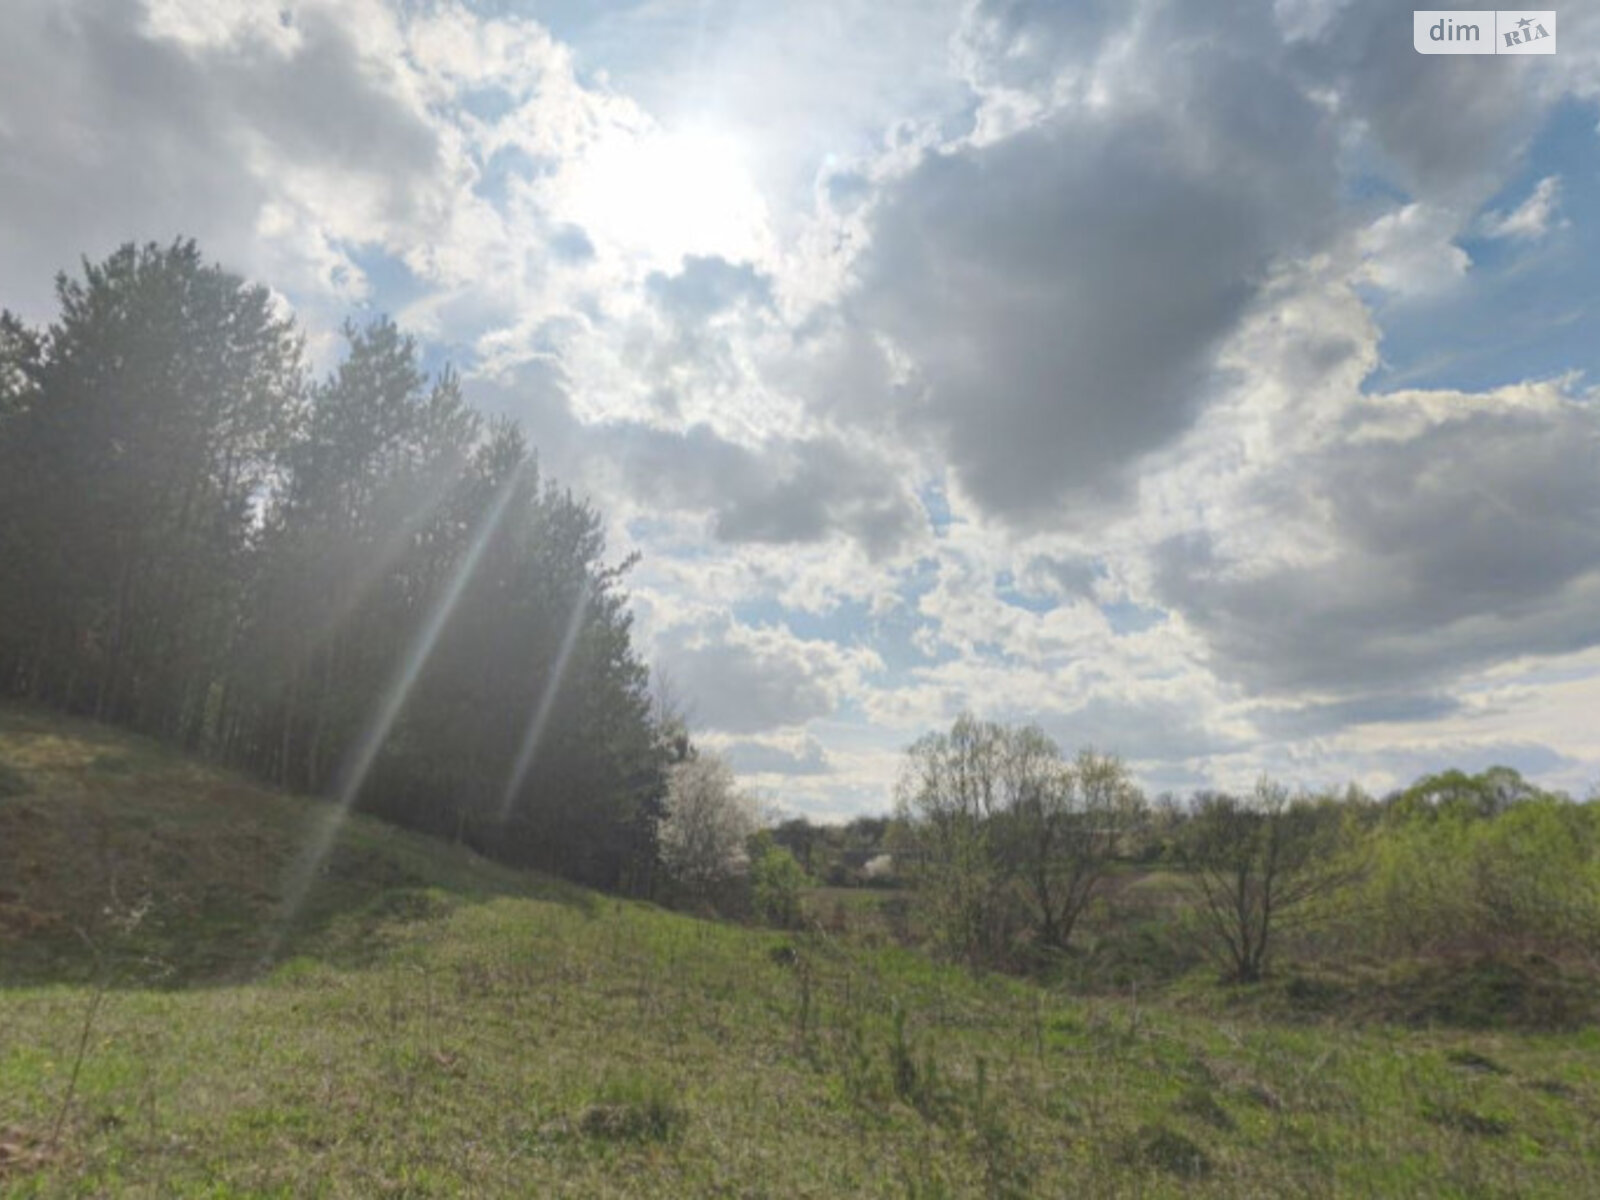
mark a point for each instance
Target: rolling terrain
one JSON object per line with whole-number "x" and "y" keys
{"x": 431, "y": 1024}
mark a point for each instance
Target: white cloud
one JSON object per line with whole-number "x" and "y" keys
{"x": 739, "y": 679}
{"x": 1020, "y": 347}
{"x": 1412, "y": 251}
{"x": 1531, "y": 219}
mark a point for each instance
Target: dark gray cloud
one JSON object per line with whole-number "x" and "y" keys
{"x": 1061, "y": 291}
{"x": 571, "y": 244}
{"x": 1473, "y": 540}
{"x": 785, "y": 490}
{"x": 108, "y": 133}
{"x": 1313, "y": 720}
{"x": 847, "y": 191}
{"x": 1074, "y": 575}
{"x": 1447, "y": 126}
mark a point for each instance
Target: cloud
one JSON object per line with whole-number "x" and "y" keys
{"x": 1531, "y": 219}
{"x": 1412, "y": 251}
{"x": 779, "y": 492}
{"x": 1311, "y": 720}
{"x": 742, "y": 680}
{"x": 1443, "y": 533}
{"x": 1015, "y": 339}
{"x": 1071, "y": 575}
{"x": 784, "y": 490}
{"x": 1141, "y": 728}
{"x": 1445, "y": 129}
{"x": 707, "y": 285}
{"x": 752, "y": 757}
{"x": 1059, "y": 291}
{"x": 275, "y": 143}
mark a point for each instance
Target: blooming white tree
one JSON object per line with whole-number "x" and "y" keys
{"x": 708, "y": 822}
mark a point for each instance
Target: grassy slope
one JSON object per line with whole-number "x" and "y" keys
{"x": 445, "y": 1027}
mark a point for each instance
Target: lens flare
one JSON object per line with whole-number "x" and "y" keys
{"x": 358, "y": 762}
{"x": 541, "y": 715}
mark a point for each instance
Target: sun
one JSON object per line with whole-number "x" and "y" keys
{"x": 670, "y": 193}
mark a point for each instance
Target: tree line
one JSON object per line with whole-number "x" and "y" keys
{"x": 202, "y": 542}
{"x": 1010, "y": 845}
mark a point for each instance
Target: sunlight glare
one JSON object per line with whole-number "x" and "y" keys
{"x": 664, "y": 195}
{"x": 541, "y": 716}
{"x": 364, "y": 753}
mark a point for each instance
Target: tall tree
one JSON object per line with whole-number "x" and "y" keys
{"x": 357, "y": 586}
{"x": 163, "y": 392}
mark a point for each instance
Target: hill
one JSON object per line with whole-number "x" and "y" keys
{"x": 427, "y": 1023}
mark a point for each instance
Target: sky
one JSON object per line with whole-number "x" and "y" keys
{"x": 1214, "y": 384}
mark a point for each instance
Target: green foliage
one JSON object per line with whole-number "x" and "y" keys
{"x": 1459, "y": 878}
{"x": 777, "y": 883}
{"x": 850, "y": 855}
{"x": 447, "y": 1026}
{"x": 1006, "y": 838}
{"x": 356, "y": 585}
{"x": 1253, "y": 866}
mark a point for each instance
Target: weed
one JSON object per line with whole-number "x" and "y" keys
{"x": 1160, "y": 1148}
{"x": 1471, "y": 1060}
{"x": 1199, "y": 1103}
{"x": 637, "y": 1108}
{"x": 1465, "y": 1120}
{"x": 1007, "y": 1171}
{"x": 902, "y": 1065}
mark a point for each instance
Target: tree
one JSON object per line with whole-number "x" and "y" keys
{"x": 707, "y": 824}
{"x": 1454, "y": 793}
{"x": 378, "y": 495}
{"x": 995, "y": 814}
{"x": 144, "y": 437}
{"x": 1253, "y": 865}
{"x": 1462, "y": 874}
{"x": 948, "y": 791}
{"x": 1066, "y": 824}
{"x": 800, "y": 838}
{"x": 358, "y": 586}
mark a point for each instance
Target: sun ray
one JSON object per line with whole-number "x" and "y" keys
{"x": 359, "y": 760}
{"x": 541, "y": 715}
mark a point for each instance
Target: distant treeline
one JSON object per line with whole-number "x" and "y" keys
{"x": 1014, "y": 849}
{"x": 357, "y": 580}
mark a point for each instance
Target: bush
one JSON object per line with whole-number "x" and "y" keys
{"x": 1454, "y": 880}
{"x": 776, "y": 882}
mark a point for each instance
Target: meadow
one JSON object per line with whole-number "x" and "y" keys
{"x": 432, "y": 1024}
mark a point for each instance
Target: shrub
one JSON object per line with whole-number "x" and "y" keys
{"x": 1457, "y": 879}
{"x": 777, "y": 881}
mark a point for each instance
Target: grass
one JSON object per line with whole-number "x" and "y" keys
{"x": 442, "y": 1027}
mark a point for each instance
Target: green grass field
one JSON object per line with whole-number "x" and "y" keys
{"x": 432, "y": 1024}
